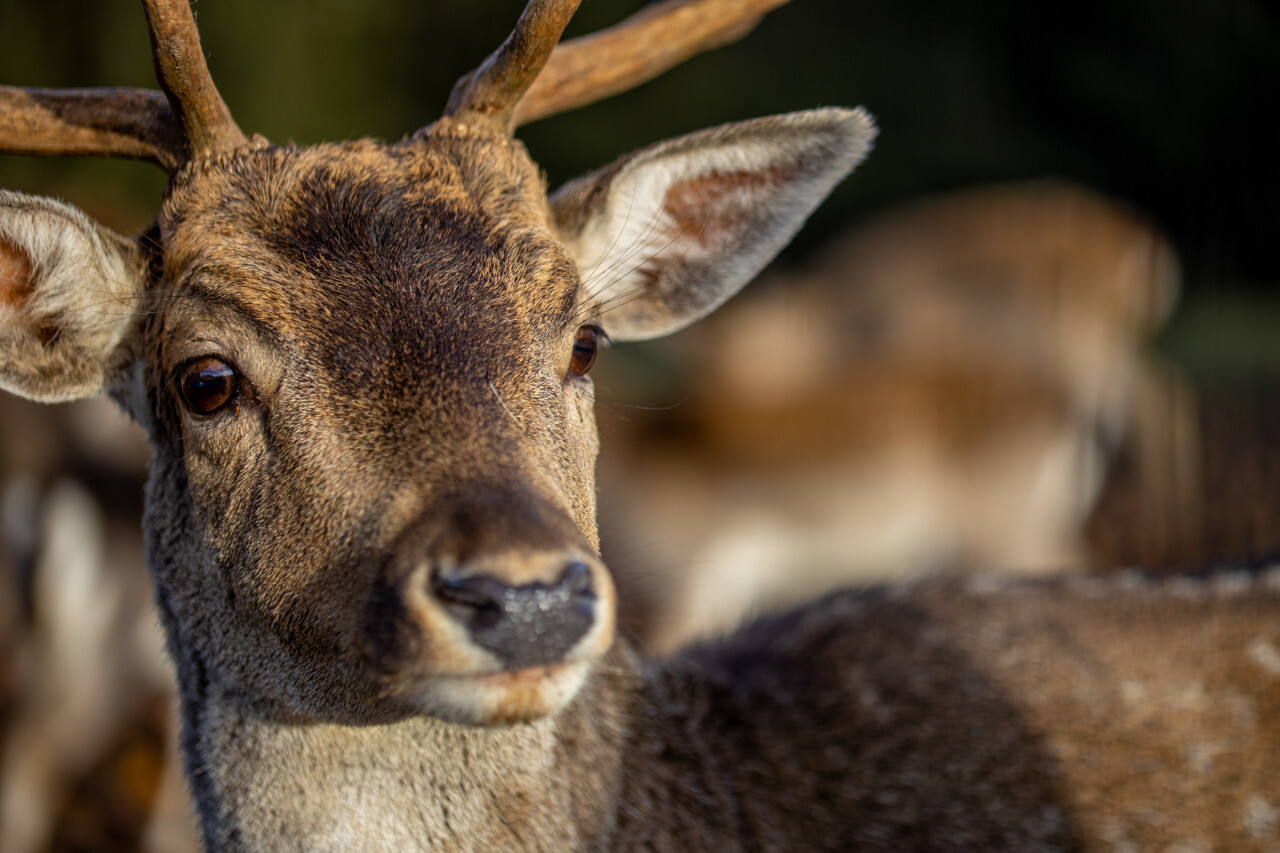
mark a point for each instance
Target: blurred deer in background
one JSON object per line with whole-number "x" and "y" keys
{"x": 1045, "y": 280}
{"x": 942, "y": 389}
{"x": 363, "y": 371}
{"x": 1042, "y": 277}
{"x": 88, "y": 753}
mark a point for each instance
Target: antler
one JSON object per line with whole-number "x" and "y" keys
{"x": 188, "y": 119}
{"x": 508, "y": 90}
{"x": 492, "y": 91}
{"x": 191, "y": 118}
{"x": 183, "y": 75}
{"x": 650, "y": 42}
{"x": 135, "y": 123}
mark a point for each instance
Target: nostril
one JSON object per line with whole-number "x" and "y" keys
{"x": 528, "y": 625}
{"x": 576, "y": 579}
{"x": 474, "y": 600}
{"x": 458, "y": 591}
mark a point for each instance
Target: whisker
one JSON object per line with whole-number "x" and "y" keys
{"x": 639, "y": 243}
{"x": 503, "y": 404}
{"x": 622, "y": 230}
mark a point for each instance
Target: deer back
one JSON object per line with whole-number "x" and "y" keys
{"x": 1091, "y": 713}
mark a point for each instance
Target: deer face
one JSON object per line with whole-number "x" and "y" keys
{"x": 363, "y": 369}
{"x": 364, "y": 392}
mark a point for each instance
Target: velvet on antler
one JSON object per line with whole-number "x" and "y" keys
{"x": 206, "y": 122}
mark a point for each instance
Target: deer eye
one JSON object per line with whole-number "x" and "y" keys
{"x": 585, "y": 344}
{"x": 208, "y": 384}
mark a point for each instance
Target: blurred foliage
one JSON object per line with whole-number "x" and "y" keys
{"x": 1228, "y": 337}
{"x": 1165, "y": 105}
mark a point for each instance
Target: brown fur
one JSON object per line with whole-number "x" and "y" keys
{"x": 401, "y": 319}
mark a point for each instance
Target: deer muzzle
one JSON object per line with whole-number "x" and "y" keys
{"x": 492, "y": 611}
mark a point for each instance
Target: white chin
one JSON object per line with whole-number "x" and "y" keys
{"x": 500, "y": 698}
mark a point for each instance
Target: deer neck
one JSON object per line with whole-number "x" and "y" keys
{"x": 263, "y": 783}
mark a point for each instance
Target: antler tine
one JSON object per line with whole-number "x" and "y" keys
{"x": 182, "y": 73}
{"x": 135, "y": 123}
{"x": 635, "y": 51}
{"x": 167, "y": 129}
{"x": 492, "y": 92}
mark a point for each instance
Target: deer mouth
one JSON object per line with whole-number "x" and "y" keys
{"x": 501, "y": 698}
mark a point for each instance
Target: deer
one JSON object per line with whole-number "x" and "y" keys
{"x": 1074, "y": 284}
{"x": 363, "y": 372}
{"x": 731, "y": 505}
{"x": 1073, "y": 281}
{"x": 91, "y": 666}
{"x": 90, "y": 680}
{"x": 959, "y": 375}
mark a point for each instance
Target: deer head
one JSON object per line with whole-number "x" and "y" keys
{"x": 364, "y": 367}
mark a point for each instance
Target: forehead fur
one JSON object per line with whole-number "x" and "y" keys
{"x": 368, "y": 246}
{"x": 337, "y": 232}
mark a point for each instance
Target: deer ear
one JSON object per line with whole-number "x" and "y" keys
{"x": 662, "y": 237}
{"x": 69, "y": 294}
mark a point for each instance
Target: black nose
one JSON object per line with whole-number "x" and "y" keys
{"x": 530, "y": 625}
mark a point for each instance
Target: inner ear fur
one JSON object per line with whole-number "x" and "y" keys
{"x": 69, "y": 299}
{"x": 665, "y": 235}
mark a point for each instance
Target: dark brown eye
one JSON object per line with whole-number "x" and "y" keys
{"x": 585, "y": 344}
{"x": 208, "y": 384}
